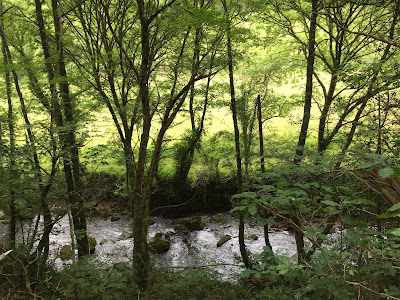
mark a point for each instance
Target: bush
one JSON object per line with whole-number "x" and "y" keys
{"x": 193, "y": 284}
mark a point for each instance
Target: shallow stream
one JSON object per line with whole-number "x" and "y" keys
{"x": 194, "y": 249}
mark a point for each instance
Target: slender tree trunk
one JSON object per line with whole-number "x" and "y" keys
{"x": 262, "y": 163}
{"x": 186, "y": 161}
{"x": 74, "y": 177}
{"x": 10, "y": 120}
{"x": 141, "y": 257}
{"x": 309, "y": 83}
{"x": 370, "y": 93}
{"x": 66, "y": 137}
{"x": 379, "y": 137}
{"x": 322, "y": 143}
{"x": 242, "y": 245}
{"x": 299, "y": 236}
{"x": 48, "y": 222}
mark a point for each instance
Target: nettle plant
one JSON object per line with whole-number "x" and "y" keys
{"x": 346, "y": 244}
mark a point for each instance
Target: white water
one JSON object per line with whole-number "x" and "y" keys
{"x": 195, "y": 249}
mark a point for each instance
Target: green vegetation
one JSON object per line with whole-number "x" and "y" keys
{"x": 279, "y": 111}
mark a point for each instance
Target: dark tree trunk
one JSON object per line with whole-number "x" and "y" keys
{"x": 371, "y": 91}
{"x": 141, "y": 257}
{"x": 242, "y": 245}
{"x": 306, "y": 114}
{"x": 73, "y": 174}
{"x": 322, "y": 143}
{"x": 262, "y": 162}
{"x": 66, "y": 137}
{"x": 44, "y": 190}
{"x": 309, "y": 84}
{"x": 260, "y": 134}
{"x": 186, "y": 159}
{"x": 12, "y": 152}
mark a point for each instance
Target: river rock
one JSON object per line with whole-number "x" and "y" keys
{"x": 115, "y": 218}
{"x": 160, "y": 245}
{"x": 66, "y": 252}
{"x": 158, "y": 236}
{"x": 195, "y": 223}
{"x": 182, "y": 228}
{"x": 92, "y": 244}
{"x": 103, "y": 210}
{"x": 254, "y": 236}
{"x": 223, "y": 240}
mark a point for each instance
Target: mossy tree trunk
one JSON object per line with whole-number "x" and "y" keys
{"x": 64, "y": 119}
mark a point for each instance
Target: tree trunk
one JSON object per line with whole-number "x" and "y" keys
{"x": 306, "y": 114}
{"x": 12, "y": 153}
{"x": 66, "y": 137}
{"x": 322, "y": 143}
{"x": 262, "y": 164}
{"x": 371, "y": 92}
{"x": 44, "y": 190}
{"x": 309, "y": 84}
{"x": 242, "y": 245}
{"x": 140, "y": 219}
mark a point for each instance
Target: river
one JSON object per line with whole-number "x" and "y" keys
{"x": 194, "y": 249}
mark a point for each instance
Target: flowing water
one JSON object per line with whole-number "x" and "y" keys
{"x": 194, "y": 249}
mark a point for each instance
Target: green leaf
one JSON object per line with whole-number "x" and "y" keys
{"x": 280, "y": 185}
{"x": 237, "y": 208}
{"x": 252, "y": 210}
{"x": 367, "y": 165}
{"x": 394, "y": 207}
{"x": 386, "y": 172}
{"x": 246, "y": 273}
{"x": 394, "y": 231}
{"x": 330, "y": 203}
{"x": 387, "y": 215}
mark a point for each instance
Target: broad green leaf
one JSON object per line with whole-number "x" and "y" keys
{"x": 330, "y": 203}
{"x": 394, "y": 207}
{"x": 386, "y": 172}
{"x": 252, "y": 210}
{"x": 394, "y": 231}
{"x": 237, "y": 208}
{"x": 387, "y": 215}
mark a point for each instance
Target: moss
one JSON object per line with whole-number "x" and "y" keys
{"x": 195, "y": 223}
{"x": 160, "y": 245}
{"x": 223, "y": 240}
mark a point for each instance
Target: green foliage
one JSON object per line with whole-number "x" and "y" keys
{"x": 344, "y": 248}
{"x": 86, "y": 280}
{"x": 193, "y": 285}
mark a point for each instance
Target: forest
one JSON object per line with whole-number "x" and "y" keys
{"x": 202, "y": 149}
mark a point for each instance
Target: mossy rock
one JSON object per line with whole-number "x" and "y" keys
{"x": 158, "y": 236}
{"x": 103, "y": 210}
{"x": 254, "y": 236}
{"x": 160, "y": 245}
{"x": 195, "y": 223}
{"x": 66, "y": 252}
{"x": 182, "y": 228}
{"x": 223, "y": 240}
{"x": 92, "y": 244}
{"x": 115, "y": 218}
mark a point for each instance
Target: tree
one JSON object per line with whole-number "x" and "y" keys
{"x": 309, "y": 83}
{"x": 11, "y": 129}
{"x": 243, "y": 250}
{"x": 63, "y": 115}
{"x": 129, "y": 45}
